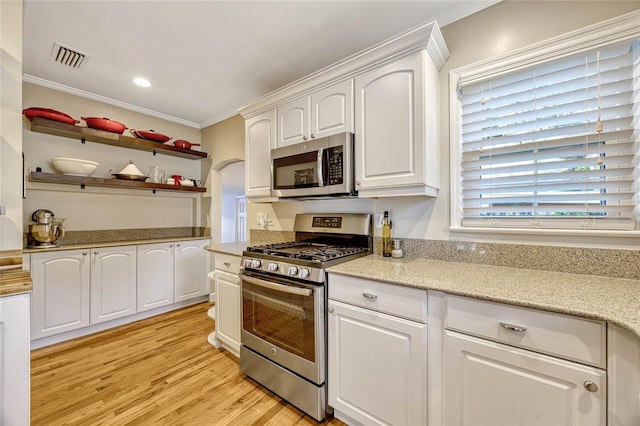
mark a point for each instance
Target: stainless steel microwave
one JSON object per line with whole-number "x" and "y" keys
{"x": 322, "y": 166}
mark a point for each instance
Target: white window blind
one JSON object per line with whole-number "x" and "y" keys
{"x": 555, "y": 145}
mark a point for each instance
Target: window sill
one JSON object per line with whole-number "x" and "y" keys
{"x": 526, "y": 231}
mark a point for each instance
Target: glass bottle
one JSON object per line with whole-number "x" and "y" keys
{"x": 386, "y": 235}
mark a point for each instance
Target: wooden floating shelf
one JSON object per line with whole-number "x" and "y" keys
{"x": 109, "y": 182}
{"x": 52, "y": 127}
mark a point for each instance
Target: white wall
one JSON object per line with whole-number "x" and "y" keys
{"x": 10, "y": 124}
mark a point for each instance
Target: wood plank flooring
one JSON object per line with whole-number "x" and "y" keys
{"x": 158, "y": 371}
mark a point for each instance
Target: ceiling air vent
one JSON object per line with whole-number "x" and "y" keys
{"x": 67, "y": 56}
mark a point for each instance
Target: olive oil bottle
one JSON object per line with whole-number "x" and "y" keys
{"x": 387, "y": 246}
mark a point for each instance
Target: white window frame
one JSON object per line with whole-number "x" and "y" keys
{"x": 619, "y": 29}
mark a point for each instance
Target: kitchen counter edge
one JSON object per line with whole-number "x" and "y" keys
{"x": 112, "y": 244}
{"x": 234, "y": 249}
{"x": 614, "y": 300}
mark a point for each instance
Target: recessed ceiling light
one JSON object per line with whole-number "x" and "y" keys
{"x": 143, "y": 82}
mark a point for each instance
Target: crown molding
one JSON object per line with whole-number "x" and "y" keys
{"x": 99, "y": 98}
{"x": 426, "y": 36}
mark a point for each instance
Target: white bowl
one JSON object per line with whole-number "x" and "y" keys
{"x": 74, "y": 166}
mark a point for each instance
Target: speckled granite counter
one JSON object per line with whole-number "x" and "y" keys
{"x": 616, "y": 300}
{"x": 234, "y": 249}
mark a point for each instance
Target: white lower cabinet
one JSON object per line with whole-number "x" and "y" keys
{"x": 227, "y": 303}
{"x": 113, "y": 283}
{"x": 191, "y": 268}
{"x": 488, "y": 383}
{"x": 14, "y": 360}
{"x": 377, "y": 359}
{"x": 77, "y": 289}
{"x": 155, "y": 267}
{"x": 60, "y": 295}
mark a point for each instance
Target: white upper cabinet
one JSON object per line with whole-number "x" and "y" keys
{"x": 260, "y": 138}
{"x": 325, "y": 112}
{"x": 294, "y": 121}
{"x": 388, "y": 95}
{"x": 396, "y": 129}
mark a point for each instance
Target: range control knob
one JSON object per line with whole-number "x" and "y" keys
{"x": 273, "y": 267}
{"x": 247, "y": 263}
{"x": 304, "y": 273}
{"x": 255, "y": 263}
{"x": 293, "y": 270}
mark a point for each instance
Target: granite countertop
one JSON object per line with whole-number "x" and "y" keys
{"x": 234, "y": 249}
{"x": 112, "y": 244}
{"x": 615, "y": 300}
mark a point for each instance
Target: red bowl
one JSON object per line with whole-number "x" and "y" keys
{"x": 150, "y": 135}
{"x": 51, "y": 114}
{"x": 105, "y": 124}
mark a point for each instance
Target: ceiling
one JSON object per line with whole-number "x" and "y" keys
{"x": 206, "y": 59}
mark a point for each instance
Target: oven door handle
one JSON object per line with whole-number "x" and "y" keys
{"x": 277, "y": 287}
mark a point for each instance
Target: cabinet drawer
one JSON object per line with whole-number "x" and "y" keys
{"x": 227, "y": 262}
{"x": 392, "y": 299}
{"x": 560, "y": 335}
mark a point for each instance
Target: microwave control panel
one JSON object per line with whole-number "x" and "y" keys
{"x": 336, "y": 157}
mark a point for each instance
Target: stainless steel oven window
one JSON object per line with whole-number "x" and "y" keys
{"x": 284, "y": 320}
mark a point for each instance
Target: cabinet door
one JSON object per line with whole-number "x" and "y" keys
{"x": 332, "y": 110}
{"x": 14, "y": 359}
{"x": 293, "y": 121}
{"x": 113, "y": 283}
{"x": 155, "y": 266}
{"x": 377, "y": 366}
{"x": 391, "y": 129}
{"x": 260, "y": 138}
{"x": 60, "y": 295}
{"x": 487, "y": 383}
{"x": 191, "y": 268}
{"x": 228, "y": 309}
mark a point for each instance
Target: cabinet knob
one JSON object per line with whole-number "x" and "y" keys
{"x": 330, "y": 309}
{"x": 171, "y": 245}
{"x": 304, "y": 138}
{"x": 590, "y": 386}
{"x": 177, "y": 245}
{"x": 84, "y": 253}
{"x": 357, "y": 183}
{"x": 313, "y": 136}
{"x": 96, "y": 252}
{"x": 227, "y": 264}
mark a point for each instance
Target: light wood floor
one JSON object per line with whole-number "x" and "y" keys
{"x": 158, "y": 371}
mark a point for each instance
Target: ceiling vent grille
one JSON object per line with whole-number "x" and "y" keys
{"x": 67, "y": 56}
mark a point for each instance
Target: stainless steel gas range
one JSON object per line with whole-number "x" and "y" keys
{"x": 284, "y": 303}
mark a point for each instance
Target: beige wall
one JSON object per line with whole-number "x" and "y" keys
{"x": 224, "y": 141}
{"x": 10, "y": 124}
{"x": 103, "y": 208}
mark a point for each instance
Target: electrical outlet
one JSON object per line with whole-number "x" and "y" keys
{"x": 379, "y": 220}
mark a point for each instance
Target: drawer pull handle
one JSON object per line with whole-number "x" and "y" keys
{"x": 590, "y": 386}
{"x": 227, "y": 264}
{"x": 511, "y": 327}
{"x": 370, "y": 296}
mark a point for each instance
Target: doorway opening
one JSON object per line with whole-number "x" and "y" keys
{"x": 233, "y": 209}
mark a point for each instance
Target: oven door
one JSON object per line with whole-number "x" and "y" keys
{"x": 283, "y": 321}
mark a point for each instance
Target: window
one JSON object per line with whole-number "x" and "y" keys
{"x": 549, "y": 144}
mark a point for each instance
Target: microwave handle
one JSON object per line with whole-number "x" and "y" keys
{"x": 277, "y": 287}
{"x": 320, "y": 166}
